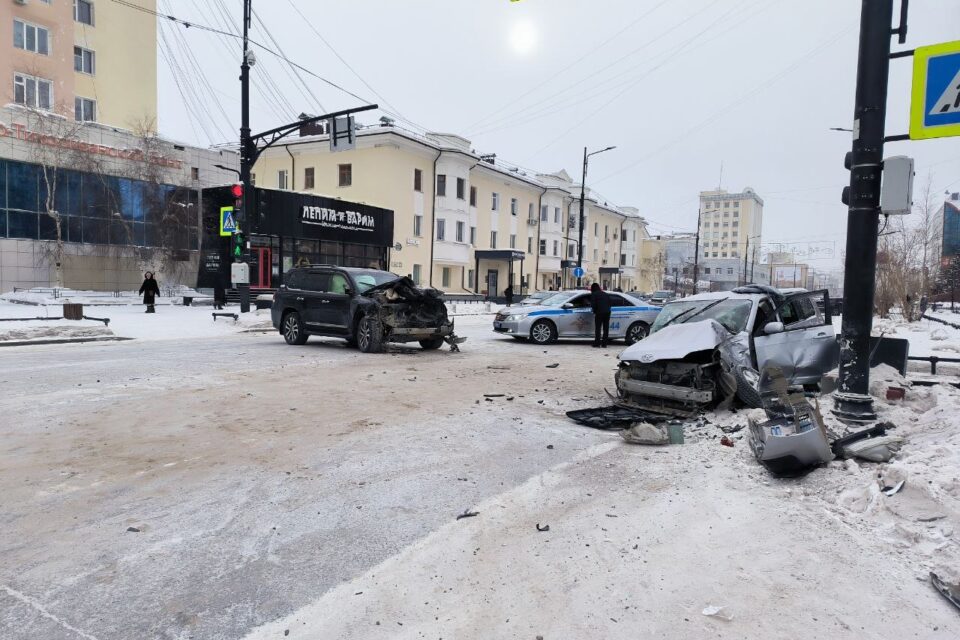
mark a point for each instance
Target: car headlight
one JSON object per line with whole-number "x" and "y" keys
{"x": 515, "y": 318}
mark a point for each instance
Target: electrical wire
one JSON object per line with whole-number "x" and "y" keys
{"x": 305, "y": 89}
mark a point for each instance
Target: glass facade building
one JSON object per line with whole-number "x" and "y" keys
{"x": 96, "y": 208}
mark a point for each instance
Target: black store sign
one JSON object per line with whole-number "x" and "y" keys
{"x": 294, "y": 215}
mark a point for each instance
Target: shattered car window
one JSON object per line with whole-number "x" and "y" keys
{"x": 732, "y": 314}
{"x": 368, "y": 279}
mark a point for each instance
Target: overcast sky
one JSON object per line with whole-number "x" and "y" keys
{"x": 679, "y": 86}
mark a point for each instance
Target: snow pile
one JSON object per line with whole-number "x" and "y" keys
{"x": 42, "y": 331}
{"x": 927, "y": 338}
{"x": 50, "y": 296}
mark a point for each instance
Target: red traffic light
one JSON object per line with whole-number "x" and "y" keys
{"x": 237, "y": 190}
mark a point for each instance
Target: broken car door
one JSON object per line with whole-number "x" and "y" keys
{"x": 800, "y": 340}
{"x": 577, "y": 317}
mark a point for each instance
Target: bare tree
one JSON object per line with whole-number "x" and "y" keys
{"x": 930, "y": 230}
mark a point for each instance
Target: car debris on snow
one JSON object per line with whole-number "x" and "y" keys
{"x": 544, "y": 528}
{"x": 717, "y": 612}
{"x": 646, "y": 433}
{"x": 467, "y": 514}
{"x": 949, "y": 591}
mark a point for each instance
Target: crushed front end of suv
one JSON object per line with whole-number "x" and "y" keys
{"x": 366, "y": 307}
{"x": 710, "y": 348}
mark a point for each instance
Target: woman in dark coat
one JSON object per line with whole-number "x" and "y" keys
{"x": 150, "y": 289}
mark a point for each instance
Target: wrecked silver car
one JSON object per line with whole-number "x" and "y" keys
{"x": 709, "y": 348}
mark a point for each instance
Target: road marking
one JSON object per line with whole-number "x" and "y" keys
{"x": 46, "y": 614}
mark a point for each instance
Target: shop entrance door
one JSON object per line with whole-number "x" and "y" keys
{"x": 492, "y": 286}
{"x": 261, "y": 269}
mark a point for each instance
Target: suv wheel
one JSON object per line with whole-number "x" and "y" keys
{"x": 431, "y": 343}
{"x": 369, "y": 335}
{"x": 543, "y": 332}
{"x": 292, "y": 329}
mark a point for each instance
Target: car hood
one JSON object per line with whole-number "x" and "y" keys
{"x": 677, "y": 341}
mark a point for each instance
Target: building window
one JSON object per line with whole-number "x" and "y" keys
{"x": 417, "y": 269}
{"x": 460, "y": 227}
{"x": 706, "y": 270}
{"x": 513, "y": 241}
{"x": 195, "y": 173}
{"x": 530, "y": 211}
{"x": 495, "y": 203}
{"x": 736, "y": 214}
{"x": 30, "y": 37}
{"x": 544, "y": 213}
{"x": 441, "y": 229}
{"x": 606, "y": 233}
{"x": 253, "y": 179}
{"x": 556, "y": 215}
{"x": 723, "y": 254}
{"x": 734, "y": 254}
{"x": 309, "y": 177}
{"x": 736, "y": 205}
{"x": 345, "y": 172}
{"x": 85, "y": 110}
{"x": 556, "y": 247}
{"x": 32, "y": 92}
{"x": 493, "y": 239}
{"x": 441, "y": 184}
{"x": 543, "y": 247}
{"x": 596, "y": 229}
{"x": 473, "y": 236}
{"x": 530, "y": 244}
{"x": 736, "y": 223}
{"x": 282, "y": 179}
{"x": 473, "y": 196}
{"x": 83, "y": 11}
{"x": 714, "y": 253}
{"x": 623, "y": 259}
{"x": 84, "y": 61}
{"x": 418, "y": 226}
{"x": 418, "y": 180}
{"x": 445, "y": 277}
{"x": 726, "y": 205}
{"x": 470, "y": 278}
{"x": 513, "y": 206}
{"x": 730, "y": 271}
{"x": 596, "y": 255}
{"x": 571, "y": 251}
{"x": 461, "y": 188}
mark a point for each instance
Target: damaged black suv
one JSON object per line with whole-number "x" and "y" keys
{"x": 367, "y": 307}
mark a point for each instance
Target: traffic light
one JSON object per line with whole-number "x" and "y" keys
{"x": 239, "y": 242}
{"x": 237, "y": 192}
{"x": 848, "y": 165}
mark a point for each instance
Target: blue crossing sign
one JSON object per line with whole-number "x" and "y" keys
{"x": 228, "y": 221}
{"x": 935, "y": 104}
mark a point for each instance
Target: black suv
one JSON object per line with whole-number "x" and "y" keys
{"x": 367, "y": 307}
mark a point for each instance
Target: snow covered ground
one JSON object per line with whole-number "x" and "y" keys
{"x": 312, "y": 492}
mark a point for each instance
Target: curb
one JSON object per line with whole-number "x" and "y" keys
{"x": 25, "y": 343}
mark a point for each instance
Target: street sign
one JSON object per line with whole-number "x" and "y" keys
{"x": 578, "y": 272}
{"x": 228, "y": 222}
{"x": 935, "y": 105}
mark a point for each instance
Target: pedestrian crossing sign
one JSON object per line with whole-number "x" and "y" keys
{"x": 935, "y": 104}
{"x": 228, "y": 222}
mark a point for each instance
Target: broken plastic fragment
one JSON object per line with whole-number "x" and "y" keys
{"x": 717, "y": 612}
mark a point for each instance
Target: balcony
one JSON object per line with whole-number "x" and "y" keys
{"x": 447, "y": 252}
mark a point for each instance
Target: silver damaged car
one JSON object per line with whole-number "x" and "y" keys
{"x": 707, "y": 348}
{"x": 567, "y": 314}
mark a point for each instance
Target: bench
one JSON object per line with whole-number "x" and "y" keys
{"x": 225, "y": 315}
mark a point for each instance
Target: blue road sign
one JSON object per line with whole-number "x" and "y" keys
{"x": 935, "y": 104}
{"x": 578, "y": 272}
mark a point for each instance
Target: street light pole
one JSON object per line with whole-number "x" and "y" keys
{"x": 696, "y": 250}
{"x": 866, "y": 169}
{"x": 246, "y": 147}
{"x": 583, "y": 190}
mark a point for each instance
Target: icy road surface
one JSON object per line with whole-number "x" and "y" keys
{"x": 235, "y": 486}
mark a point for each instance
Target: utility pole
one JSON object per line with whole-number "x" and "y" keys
{"x": 247, "y": 149}
{"x": 696, "y": 254}
{"x": 866, "y": 168}
{"x": 746, "y": 253}
{"x": 583, "y": 190}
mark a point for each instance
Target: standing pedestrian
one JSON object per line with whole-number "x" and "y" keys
{"x": 923, "y": 304}
{"x": 508, "y": 294}
{"x": 150, "y": 290}
{"x": 600, "y": 304}
{"x": 219, "y": 294}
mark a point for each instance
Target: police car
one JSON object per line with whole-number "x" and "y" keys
{"x": 567, "y": 314}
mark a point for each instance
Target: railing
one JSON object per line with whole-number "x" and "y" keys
{"x": 933, "y": 360}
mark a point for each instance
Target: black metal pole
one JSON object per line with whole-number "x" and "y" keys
{"x": 583, "y": 188}
{"x": 246, "y": 148}
{"x": 696, "y": 254}
{"x": 870, "y": 110}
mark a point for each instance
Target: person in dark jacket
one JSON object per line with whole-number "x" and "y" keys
{"x": 508, "y": 294}
{"x": 600, "y": 304}
{"x": 150, "y": 290}
{"x": 219, "y": 295}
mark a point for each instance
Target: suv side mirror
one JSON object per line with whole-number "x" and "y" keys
{"x": 348, "y": 291}
{"x": 773, "y": 327}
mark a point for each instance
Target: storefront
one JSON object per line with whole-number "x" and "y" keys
{"x": 287, "y": 229}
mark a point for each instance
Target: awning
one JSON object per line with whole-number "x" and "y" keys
{"x": 509, "y": 255}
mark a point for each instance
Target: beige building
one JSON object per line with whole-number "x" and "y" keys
{"x": 731, "y": 229}
{"x": 464, "y": 222}
{"x": 90, "y": 60}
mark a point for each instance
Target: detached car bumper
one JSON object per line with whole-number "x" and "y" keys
{"x": 412, "y": 334}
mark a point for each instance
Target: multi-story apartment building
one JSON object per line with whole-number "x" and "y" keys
{"x": 89, "y": 60}
{"x": 731, "y": 228}
{"x": 464, "y": 222}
